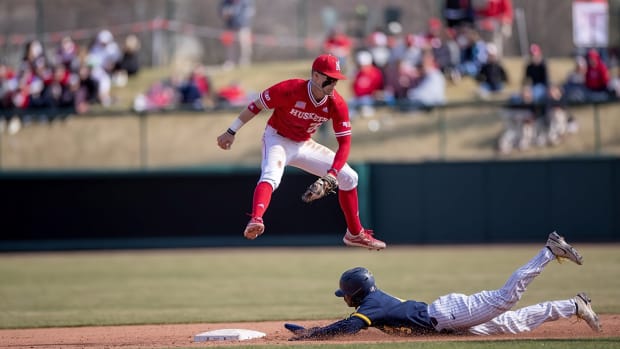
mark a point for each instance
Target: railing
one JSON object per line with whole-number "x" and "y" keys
{"x": 600, "y": 132}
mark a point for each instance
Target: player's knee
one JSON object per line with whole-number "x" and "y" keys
{"x": 347, "y": 178}
{"x": 274, "y": 182}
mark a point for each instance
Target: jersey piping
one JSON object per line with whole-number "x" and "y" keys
{"x": 363, "y": 317}
{"x": 316, "y": 104}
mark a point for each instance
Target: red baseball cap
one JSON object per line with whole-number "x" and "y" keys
{"x": 328, "y": 65}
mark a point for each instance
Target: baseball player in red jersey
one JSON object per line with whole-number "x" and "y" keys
{"x": 300, "y": 107}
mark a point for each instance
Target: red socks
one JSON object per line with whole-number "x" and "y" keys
{"x": 349, "y": 205}
{"x": 262, "y": 197}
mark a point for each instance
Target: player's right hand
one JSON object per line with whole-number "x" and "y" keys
{"x": 294, "y": 328}
{"x": 225, "y": 140}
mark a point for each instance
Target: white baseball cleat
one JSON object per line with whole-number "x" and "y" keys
{"x": 363, "y": 239}
{"x": 585, "y": 312}
{"x": 561, "y": 249}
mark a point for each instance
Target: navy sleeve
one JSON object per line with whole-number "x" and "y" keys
{"x": 349, "y": 325}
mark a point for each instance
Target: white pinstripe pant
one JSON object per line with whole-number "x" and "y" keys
{"x": 488, "y": 312}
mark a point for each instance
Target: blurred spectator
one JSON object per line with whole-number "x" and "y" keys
{"x": 494, "y": 20}
{"x": 473, "y": 52}
{"x": 88, "y": 90}
{"x": 7, "y": 82}
{"x": 67, "y": 54}
{"x": 597, "y": 77}
{"x": 232, "y": 95}
{"x": 188, "y": 94}
{"x": 339, "y": 44}
{"x": 457, "y": 13}
{"x": 33, "y": 58}
{"x": 433, "y": 30}
{"x": 7, "y": 88}
{"x": 102, "y": 57}
{"x": 527, "y": 123}
{"x": 36, "y": 84}
{"x": 63, "y": 90}
{"x": 192, "y": 90}
{"x": 129, "y": 63}
{"x": 412, "y": 50}
{"x": 367, "y": 86}
{"x": 614, "y": 84}
{"x": 536, "y": 74}
{"x": 559, "y": 122}
{"x": 377, "y": 44}
{"x": 237, "y": 16}
{"x": 574, "y": 86}
{"x": 492, "y": 76}
{"x": 31, "y": 77}
{"x": 430, "y": 88}
{"x": 204, "y": 85}
{"x": 161, "y": 95}
{"x": 395, "y": 41}
{"x": 445, "y": 48}
{"x": 400, "y": 75}
{"x": 519, "y": 116}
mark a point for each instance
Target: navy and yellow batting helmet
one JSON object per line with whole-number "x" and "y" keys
{"x": 356, "y": 283}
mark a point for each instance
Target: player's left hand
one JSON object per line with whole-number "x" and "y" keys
{"x": 320, "y": 188}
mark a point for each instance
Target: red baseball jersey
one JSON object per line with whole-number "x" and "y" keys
{"x": 297, "y": 115}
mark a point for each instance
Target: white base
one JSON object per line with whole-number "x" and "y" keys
{"x": 228, "y": 334}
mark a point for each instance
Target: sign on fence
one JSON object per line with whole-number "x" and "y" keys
{"x": 590, "y": 23}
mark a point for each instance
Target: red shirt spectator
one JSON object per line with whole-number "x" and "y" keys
{"x": 369, "y": 79}
{"x": 202, "y": 80}
{"x": 6, "y": 91}
{"x": 496, "y": 9}
{"x": 597, "y": 75}
{"x": 232, "y": 95}
{"x": 338, "y": 43}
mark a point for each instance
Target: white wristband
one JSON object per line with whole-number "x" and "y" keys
{"x": 236, "y": 125}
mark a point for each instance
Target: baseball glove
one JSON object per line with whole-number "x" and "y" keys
{"x": 320, "y": 188}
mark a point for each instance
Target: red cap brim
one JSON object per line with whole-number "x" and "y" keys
{"x": 336, "y": 75}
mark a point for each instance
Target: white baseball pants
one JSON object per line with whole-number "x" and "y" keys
{"x": 310, "y": 156}
{"x": 487, "y": 312}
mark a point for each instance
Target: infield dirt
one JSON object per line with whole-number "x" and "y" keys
{"x": 182, "y": 335}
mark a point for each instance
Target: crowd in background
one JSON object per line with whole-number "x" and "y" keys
{"x": 67, "y": 79}
{"x": 387, "y": 67}
{"x": 410, "y": 71}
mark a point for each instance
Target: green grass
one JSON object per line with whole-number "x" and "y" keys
{"x": 222, "y": 285}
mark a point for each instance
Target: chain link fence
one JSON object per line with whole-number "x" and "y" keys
{"x": 283, "y": 29}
